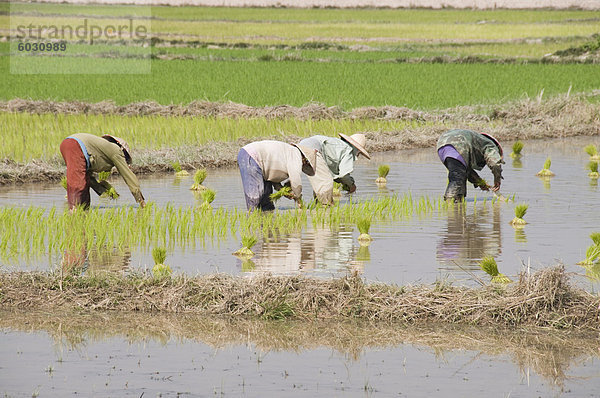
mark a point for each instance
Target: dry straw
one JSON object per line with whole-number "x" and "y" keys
{"x": 544, "y": 299}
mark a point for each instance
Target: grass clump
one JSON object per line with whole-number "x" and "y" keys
{"x": 208, "y": 196}
{"x": 516, "y": 149}
{"x": 520, "y": 211}
{"x": 545, "y": 172}
{"x": 593, "y": 168}
{"x": 160, "y": 270}
{"x": 284, "y": 191}
{"x": 199, "y": 178}
{"x": 364, "y": 224}
{"x": 489, "y": 265}
{"x": 592, "y": 150}
{"x": 179, "y": 171}
{"x": 247, "y": 242}
{"x": 383, "y": 170}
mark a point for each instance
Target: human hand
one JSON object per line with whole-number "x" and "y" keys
{"x": 142, "y": 203}
{"x": 352, "y": 189}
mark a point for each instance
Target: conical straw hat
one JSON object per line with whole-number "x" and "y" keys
{"x": 358, "y": 141}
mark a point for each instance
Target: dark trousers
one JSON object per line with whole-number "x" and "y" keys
{"x": 457, "y": 180}
{"x": 256, "y": 188}
{"x": 78, "y": 179}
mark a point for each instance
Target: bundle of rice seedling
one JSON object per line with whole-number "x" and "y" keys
{"x": 592, "y": 254}
{"x": 593, "y": 168}
{"x": 545, "y": 172}
{"x": 110, "y": 191}
{"x": 520, "y": 211}
{"x": 337, "y": 189}
{"x": 383, "y": 171}
{"x": 516, "y": 149}
{"x": 284, "y": 191}
{"x": 247, "y": 241}
{"x": 63, "y": 182}
{"x": 489, "y": 265}
{"x": 208, "y": 195}
{"x": 199, "y": 178}
{"x": 364, "y": 224}
{"x": 592, "y": 150}
{"x": 179, "y": 172}
{"x": 160, "y": 270}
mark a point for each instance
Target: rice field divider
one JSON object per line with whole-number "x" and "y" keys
{"x": 592, "y": 150}
{"x": 199, "y": 178}
{"x": 520, "y": 210}
{"x": 593, "y": 168}
{"x": 179, "y": 171}
{"x": 545, "y": 171}
{"x": 383, "y": 171}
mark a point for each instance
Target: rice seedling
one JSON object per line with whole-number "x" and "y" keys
{"x": 364, "y": 224}
{"x": 592, "y": 150}
{"x": 247, "y": 242}
{"x": 489, "y": 265}
{"x": 63, "y": 182}
{"x": 199, "y": 178}
{"x": 383, "y": 171}
{"x": 160, "y": 270}
{"x": 284, "y": 191}
{"x": 109, "y": 190}
{"x": 593, "y": 168}
{"x": 545, "y": 172}
{"x": 592, "y": 254}
{"x": 516, "y": 149}
{"x": 520, "y": 211}
{"x": 208, "y": 195}
{"x": 337, "y": 189}
{"x": 179, "y": 171}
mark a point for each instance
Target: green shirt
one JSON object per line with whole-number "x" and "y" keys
{"x": 338, "y": 154}
{"x": 476, "y": 149}
{"x": 103, "y": 156}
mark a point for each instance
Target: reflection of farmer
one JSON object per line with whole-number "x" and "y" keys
{"x": 469, "y": 237}
{"x": 264, "y": 165}
{"x": 87, "y": 153}
{"x": 335, "y": 162}
{"x": 463, "y": 152}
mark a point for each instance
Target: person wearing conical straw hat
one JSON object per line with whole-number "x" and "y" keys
{"x": 85, "y": 154}
{"x": 335, "y": 162}
{"x": 265, "y": 165}
{"x": 463, "y": 152}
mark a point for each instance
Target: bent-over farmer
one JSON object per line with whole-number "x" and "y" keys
{"x": 463, "y": 152}
{"x": 86, "y": 153}
{"x": 335, "y": 162}
{"x": 264, "y": 165}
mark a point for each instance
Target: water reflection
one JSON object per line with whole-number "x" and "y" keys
{"x": 520, "y": 235}
{"x": 470, "y": 234}
{"x": 320, "y": 250}
{"x": 94, "y": 261}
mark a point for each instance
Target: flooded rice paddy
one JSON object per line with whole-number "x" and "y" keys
{"x": 106, "y": 355}
{"x": 441, "y": 244}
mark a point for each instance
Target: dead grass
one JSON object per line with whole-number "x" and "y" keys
{"x": 561, "y": 116}
{"x": 545, "y": 299}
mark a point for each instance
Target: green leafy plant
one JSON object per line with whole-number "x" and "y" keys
{"x": 364, "y": 224}
{"x": 179, "y": 171}
{"x": 110, "y": 191}
{"x": 516, "y": 149}
{"x": 520, "y": 211}
{"x": 103, "y": 176}
{"x": 545, "y": 172}
{"x": 489, "y": 265}
{"x": 383, "y": 170}
{"x": 199, "y": 178}
{"x": 593, "y": 168}
{"x": 284, "y": 191}
{"x": 592, "y": 150}
{"x": 160, "y": 270}
{"x": 247, "y": 242}
{"x": 337, "y": 189}
{"x": 592, "y": 254}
